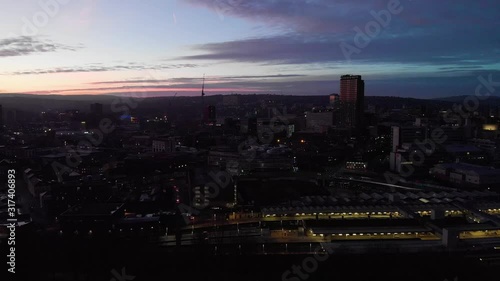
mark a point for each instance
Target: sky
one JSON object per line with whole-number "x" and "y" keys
{"x": 407, "y": 48}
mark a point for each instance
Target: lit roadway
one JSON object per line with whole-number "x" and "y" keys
{"x": 378, "y": 183}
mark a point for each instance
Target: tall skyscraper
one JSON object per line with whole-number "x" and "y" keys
{"x": 352, "y": 95}
{"x": 1, "y": 115}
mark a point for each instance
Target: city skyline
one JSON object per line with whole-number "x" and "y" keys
{"x": 200, "y": 139}
{"x": 277, "y": 47}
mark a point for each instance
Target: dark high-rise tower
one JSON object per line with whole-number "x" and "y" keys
{"x": 352, "y": 95}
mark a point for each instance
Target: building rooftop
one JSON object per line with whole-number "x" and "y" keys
{"x": 460, "y": 148}
{"x": 480, "y": 170}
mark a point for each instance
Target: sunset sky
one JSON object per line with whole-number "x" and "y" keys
{"x": 162, "y": 47}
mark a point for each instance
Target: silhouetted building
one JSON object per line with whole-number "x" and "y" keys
{"x": 319, "y": 121}
{"x": 232, "y": 125}
{"x": 453, "y": 134}
{"x": 266, "y": 159}
{"x": 467, "y": 174}
{"x": 404, "y": 142}
{"x": 334, "y": 98}
{"x": 164, "y": 145}
{"x": 407, "y": 135}
{"x": 210, "y": 114}
{"x": 489, "y": 146}
{"x": 352, "y": 94}
{"x": 96, "y": 109}
{"x": 11, "y": 117}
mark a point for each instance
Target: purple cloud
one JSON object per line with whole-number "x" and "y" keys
{"x": 445, "y": 32}
{"x": 27, "y": 45}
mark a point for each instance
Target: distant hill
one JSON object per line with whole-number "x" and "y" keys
{"x": 462, "y": 98}
{"x": 491, "y": 101}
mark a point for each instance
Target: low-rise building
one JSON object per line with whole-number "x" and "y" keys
{"x": 467, "y": 174}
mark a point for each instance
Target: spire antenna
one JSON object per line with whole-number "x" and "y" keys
{"x": 203, "y": 86}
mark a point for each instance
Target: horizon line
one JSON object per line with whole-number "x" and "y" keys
{"x": 194, "y": 95}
